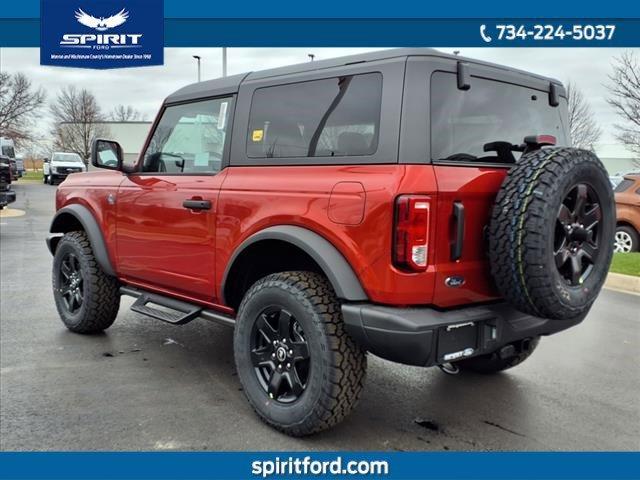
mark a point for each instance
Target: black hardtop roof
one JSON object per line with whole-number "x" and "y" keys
{"x": 231, "y": 84}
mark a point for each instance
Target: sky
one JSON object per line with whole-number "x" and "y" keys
{"x": 145, "y": 88}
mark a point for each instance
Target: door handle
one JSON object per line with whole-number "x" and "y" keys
{"x": 194, "y": 204}
{"x": 458, "y": 218}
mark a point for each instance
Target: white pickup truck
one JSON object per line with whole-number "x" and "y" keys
{"x": 60, "y": 165}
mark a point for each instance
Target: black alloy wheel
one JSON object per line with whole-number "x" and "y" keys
{"x": 280, "y": 354}
{"x": 299, "y": 368}
{"x": 71, "y": 283}
{"x": 577, "y": 234}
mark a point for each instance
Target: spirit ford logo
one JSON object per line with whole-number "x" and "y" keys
{"x": 102, "y": 34}
{"x": 100, "y": 39}
{"x": 101, "y": 24}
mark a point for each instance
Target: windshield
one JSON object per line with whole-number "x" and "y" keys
{"x": 465, "y": 122}
{"x": 66, "y": 157}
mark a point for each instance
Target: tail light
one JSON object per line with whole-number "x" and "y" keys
{"x": 411, "y": 232}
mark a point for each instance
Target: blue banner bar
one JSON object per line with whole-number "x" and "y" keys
{"x": 367, "y": 9}
{"x": 372, "y": 33}
{"x": 242, "y": 465}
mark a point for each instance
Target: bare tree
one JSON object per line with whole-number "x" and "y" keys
{"x": 77, "y": 118}
{"x": 19, "y": 104}
{"x": 35, "y": 149}
{"x": 624, "y": 97}
{"x": 125, "y": 113}
{"x": 583, "y": 128}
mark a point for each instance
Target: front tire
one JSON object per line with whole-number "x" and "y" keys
{"x": 626, "y": 240}
{"x": 300, "y": 370}
{"x": 87, "y": 299}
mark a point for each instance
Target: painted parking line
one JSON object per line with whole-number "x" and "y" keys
{"x": 11, "y": 212}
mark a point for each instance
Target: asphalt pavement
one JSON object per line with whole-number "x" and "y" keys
{"x": 146, "y": 385}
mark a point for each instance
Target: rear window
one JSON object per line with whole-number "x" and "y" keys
{"x": 320, "y": 118}
{"x": 464, "y": 121}
{"x": 624, "y": 185}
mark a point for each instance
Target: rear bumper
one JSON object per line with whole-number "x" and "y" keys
{"x": 7, "y": 197}
{"x": 416, "y": 336}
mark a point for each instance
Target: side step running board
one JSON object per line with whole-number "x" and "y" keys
{"x": 165, "y": 309}
{"x": 170, "y": 310}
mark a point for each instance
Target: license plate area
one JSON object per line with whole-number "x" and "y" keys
{"x": 457, "y": 341}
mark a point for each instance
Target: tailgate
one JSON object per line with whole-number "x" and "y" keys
{"x": 465, "y": 200}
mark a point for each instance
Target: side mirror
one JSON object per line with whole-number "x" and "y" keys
{"x": 106, "y": 154}
{"x": 46, "y": 160}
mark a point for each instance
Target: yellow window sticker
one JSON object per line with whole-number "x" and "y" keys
{"x": 257, "y": 135}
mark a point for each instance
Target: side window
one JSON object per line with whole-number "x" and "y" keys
{"x": 320, "y": 118}
{"x": 189, "y": 138}
{"x": 623, "y": 185}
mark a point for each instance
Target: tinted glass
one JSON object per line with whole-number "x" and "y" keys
{"x": 464, "y": 121}
{"x": 189, "y": 138}
{"x": 624, "y": 185}
{"x": 321, "y": 118}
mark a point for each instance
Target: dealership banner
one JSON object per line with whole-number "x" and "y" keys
{"x": 282, "y": 465}
{"x": 101, "y": 34}
{"x": 288, "y": 23}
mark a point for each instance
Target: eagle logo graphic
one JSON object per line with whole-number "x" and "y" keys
{"x": 101, "y": 24}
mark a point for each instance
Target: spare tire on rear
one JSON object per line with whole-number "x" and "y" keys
{"x": 551, "y": 233}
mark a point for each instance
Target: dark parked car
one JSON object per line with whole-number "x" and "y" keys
{"x": 7, "y": 195}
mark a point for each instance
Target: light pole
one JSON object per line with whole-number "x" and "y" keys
{"x": 197, "y": 57}
{"x": 224, "y": 61}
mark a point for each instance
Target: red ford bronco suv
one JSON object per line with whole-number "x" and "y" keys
{"x": 422, "y": 207}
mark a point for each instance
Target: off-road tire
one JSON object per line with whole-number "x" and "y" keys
{"x": 338, "y": 364}
{"x": 522, "y": 229}
{"x": 100, "y": 291}
{"x": 493, "y": 363}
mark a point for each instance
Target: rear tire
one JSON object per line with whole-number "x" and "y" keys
{"x": 87, "y": 299}
{"x": 494, "y": 363}
{"x": 300, "y": 370}
{"x": 626, "y": 240}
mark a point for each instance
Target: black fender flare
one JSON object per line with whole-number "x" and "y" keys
{"x": 334, "y": 265}
{"x": 59, "y": 224}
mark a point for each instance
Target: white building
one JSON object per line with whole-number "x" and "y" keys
{"x": 616, "y": 158}
{"x": 130, "y": 135}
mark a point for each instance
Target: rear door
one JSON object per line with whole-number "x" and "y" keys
{"x": 469, "y": 172}
{"x": 167, "y": 211}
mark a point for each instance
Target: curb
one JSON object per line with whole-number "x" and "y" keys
{"x": 624, "y": 283}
